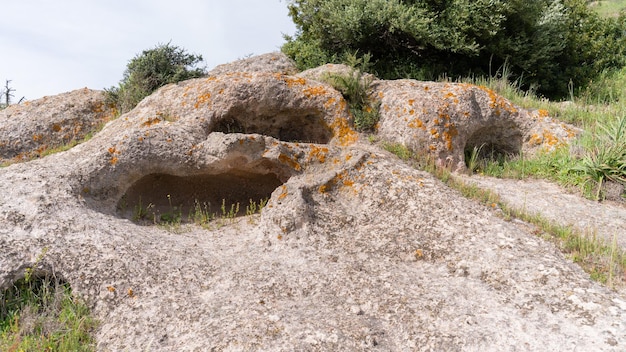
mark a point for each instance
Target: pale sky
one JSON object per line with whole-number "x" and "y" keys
{"x": 50, "y": 47}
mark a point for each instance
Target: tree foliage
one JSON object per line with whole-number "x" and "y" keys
{"x": 151, "y": 70}
{"x": 546, "y": 43}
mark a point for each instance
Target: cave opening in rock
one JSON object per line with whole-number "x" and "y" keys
{"x": 492, "y": 144}
{"x": 305, "y": 126}
{"x": 163, "y": 198}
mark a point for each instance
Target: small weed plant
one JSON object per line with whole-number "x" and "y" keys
{"x": 201, "y": 213}
{"x": 597, "y": 157}
{"x": 355, "y": 88}
{"x": 39, "y": 313}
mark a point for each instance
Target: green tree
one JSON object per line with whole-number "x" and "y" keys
{"x": 151, "y": 70}
{"x": 546, "y": 43}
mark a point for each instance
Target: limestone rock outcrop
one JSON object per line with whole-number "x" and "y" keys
{"x": 354, "y": 249}
{"x": 27, "y": 130}
{"x": 447, "y": 119}
{"x": 276, "y": 62}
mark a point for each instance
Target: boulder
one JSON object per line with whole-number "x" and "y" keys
{"x": 27, "y": 130}
{"x": 276, "y": 62}
{"x": 322, "y": 73}
{"x": 447, "y": 119}
{"x": 354, "y": 249}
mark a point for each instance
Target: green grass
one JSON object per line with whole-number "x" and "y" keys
{"x": 609, "y": 8}
{"x": 39, "y": 313}
{"x": 42, "y": 315}
{"x": 597, "y": 157}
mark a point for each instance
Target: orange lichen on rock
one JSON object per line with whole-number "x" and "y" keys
{"x": 289, "y": 161}
{"x": 151, "y": 121}
{"x": 313, "y": 91}
{"x": 417, "y": 123}
{"x": 202, "y": 99}
{"x": 37, "y": 137}
{"x": 546, "y": 138}
{"x": 449, "y": 133}
{"x": 329, "y": 102}
{"x": 498, "y": 103}
{"x": 318, "y": 153}
{"x": 291, "y": 81}
{"x": 283, "y": 193}
{"x": 112, "y": 152}
{"x": 344, "y": 132}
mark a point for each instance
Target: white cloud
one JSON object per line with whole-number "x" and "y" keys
{"x": 49, "y": 47}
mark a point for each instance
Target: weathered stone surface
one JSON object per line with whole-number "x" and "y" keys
{"x": 323, "y": 72}
{"x": 29, "y": 129}
{"x": 445, "y": 119}
{"x": 276, "y": 62}
{"x": 355, "y": 250}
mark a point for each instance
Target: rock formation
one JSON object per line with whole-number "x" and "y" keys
{"x": 30, "y": 129}
{"x": 354, "y": 250}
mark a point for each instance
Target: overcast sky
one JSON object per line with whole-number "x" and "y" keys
{"x": 51, "y": 47}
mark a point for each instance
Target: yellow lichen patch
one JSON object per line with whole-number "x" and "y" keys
{"x": 417, "y": 123}
{"x": 112, "y": 152}
{"x": 344, "y": 132}
{"x": 542, "y": 113}
{"x": 202, "y": 99}
{"x": 323, "y": 188}
{"x": 98, "y": 107}
{"x": 411, "y": 101}
{"x": 411, "y": 112}
{"x": 329, "y": 102}
{"x": 570, "y": 132}
{"x": 546, "y": 138}
{"x": 151, "y": 121}
{"x": 318, "y": 153}
{"x": 287, "y": 160}
{"x": 283, "y": 192}
{"x": 291, "y": 81}
{"x": 498, "y": 103}
{"x": 314, "y": 91}
{"x": 449, "y": 133}
{"x": 37, "y": 137}
{"x": 381, "y": 95}
{"x": 56, "y": 127}
{"x": 426, "y": 88}
{"x": 449, "y": 95}
{"x": 348, "y": 157}
{"x": 434, "y": 133}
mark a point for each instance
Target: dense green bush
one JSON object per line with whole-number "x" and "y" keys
{"x": 552, "y": 45}
{"x": 151, "y": 70}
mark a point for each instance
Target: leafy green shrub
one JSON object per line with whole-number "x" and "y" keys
{"x": 355, "y": 88}
{"x": 151, "y": 70}
{"x": 607, "y": 160}
{"x": 546, "y": 43}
